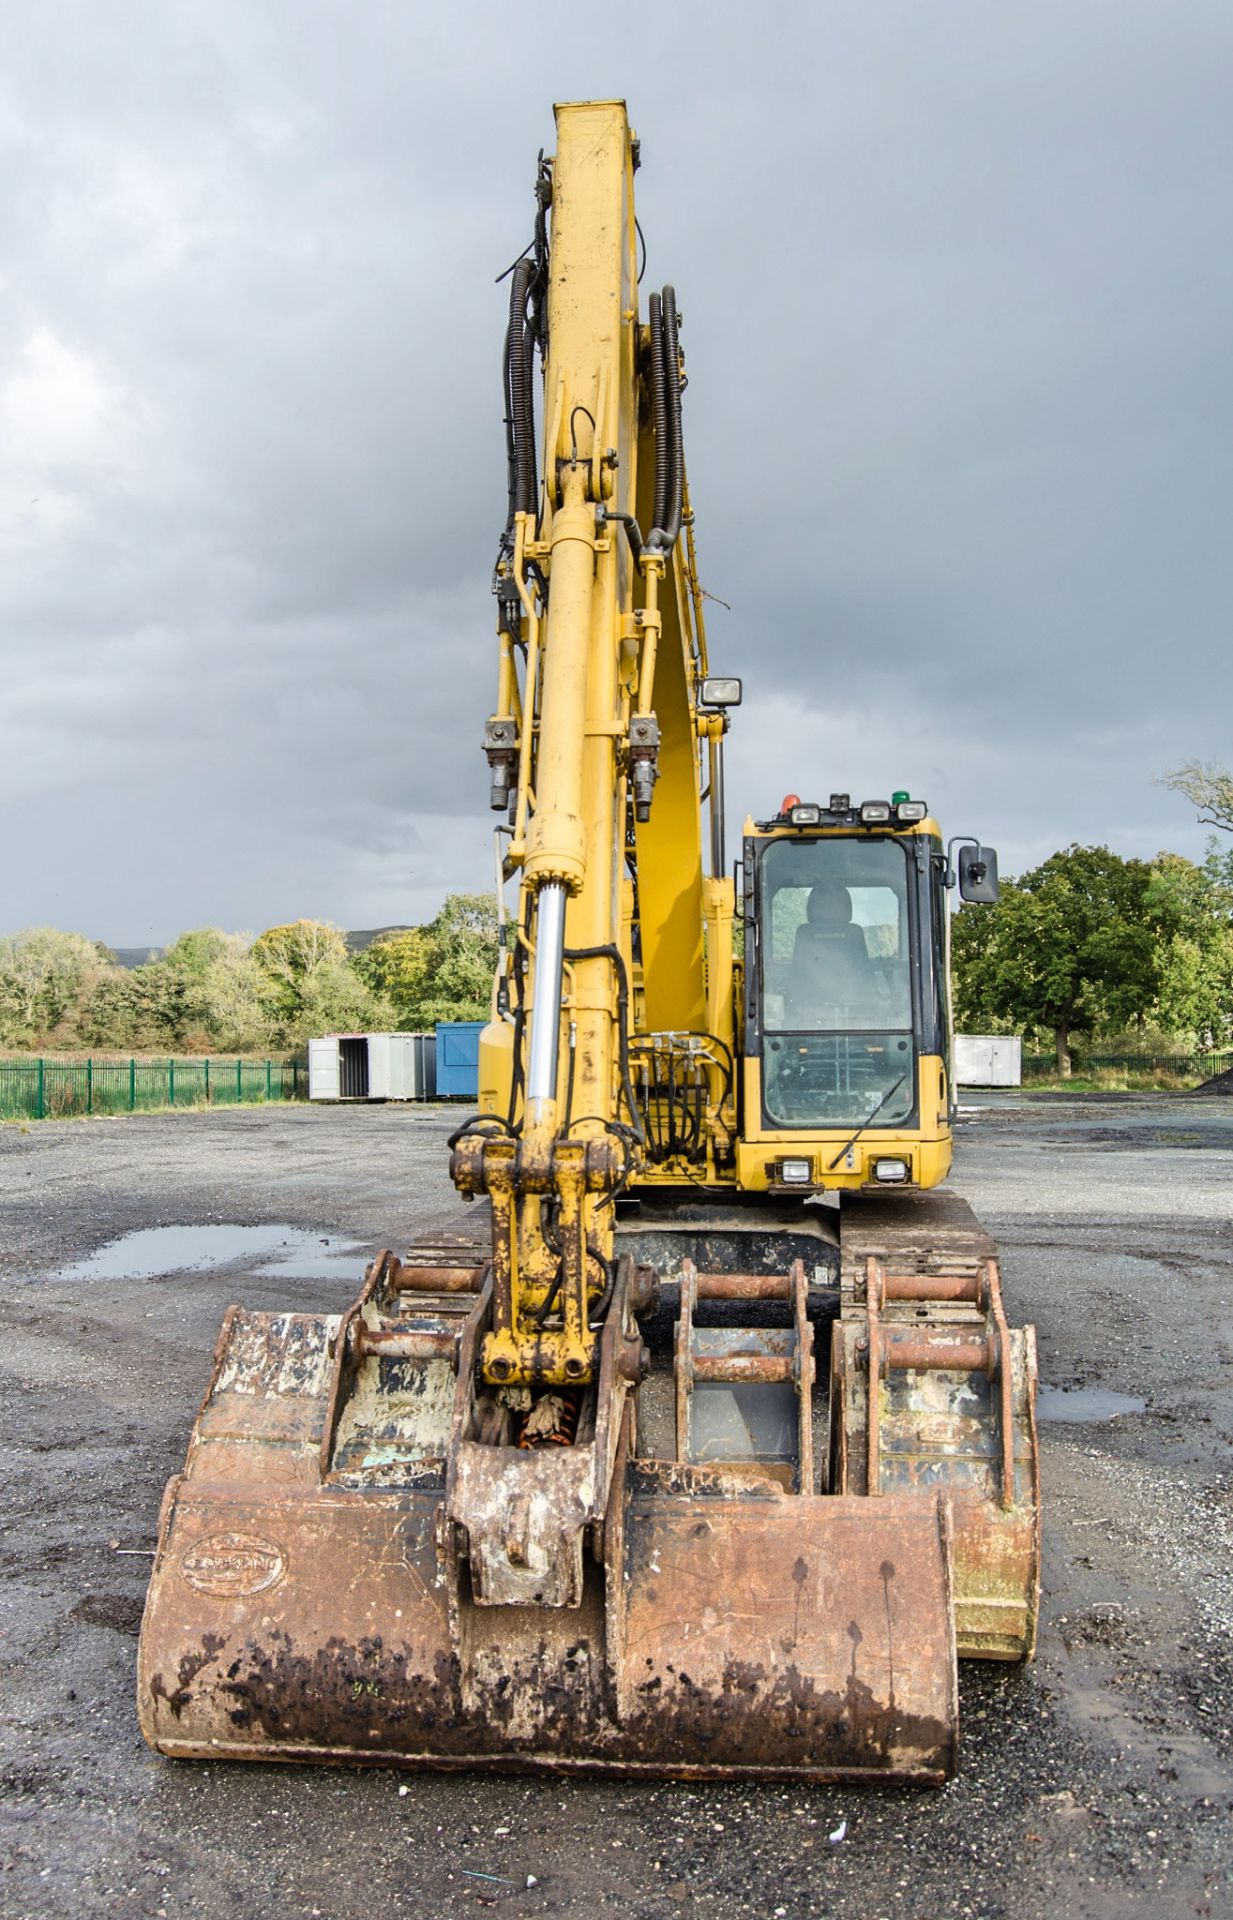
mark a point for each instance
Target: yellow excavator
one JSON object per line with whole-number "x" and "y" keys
{"x": 711, "y": 1450}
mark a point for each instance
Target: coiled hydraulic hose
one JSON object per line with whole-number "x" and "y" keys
{"x": 520, "y": 394}
{"x": 659, "y": 409}
{"x": 666, "y": 412}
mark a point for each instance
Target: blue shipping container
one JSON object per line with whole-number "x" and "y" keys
{"x": 458, "y": 1058}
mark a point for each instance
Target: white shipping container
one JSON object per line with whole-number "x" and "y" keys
{"x": 372, "y": 1066}
{"x": 988, "y": 1060}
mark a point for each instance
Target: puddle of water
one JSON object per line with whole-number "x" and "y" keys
{"x": 320, "y": 1257}
{"x": 281, "y": 1250}
{"x": 1085, "y": 1405}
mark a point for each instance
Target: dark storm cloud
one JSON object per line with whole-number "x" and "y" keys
{"x": 957, "y": 293}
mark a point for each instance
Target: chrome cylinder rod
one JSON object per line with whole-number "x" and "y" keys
{"x": 546, "y": 1005}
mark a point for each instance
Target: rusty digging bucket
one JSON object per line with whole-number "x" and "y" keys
{"x": 372, "y": 1557}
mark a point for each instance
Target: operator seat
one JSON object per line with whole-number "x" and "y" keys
{"x": 830, "y": 961}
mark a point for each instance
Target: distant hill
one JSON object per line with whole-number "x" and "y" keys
{"x": 356, "y": 942}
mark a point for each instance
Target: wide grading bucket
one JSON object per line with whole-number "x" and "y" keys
{"x": 360, "y": 1564}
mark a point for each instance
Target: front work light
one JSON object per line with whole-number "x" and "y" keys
{"x": 891, "y": 1169}
{"x": 873, "y": 812}
{"x": 796, "y": 1173}
{"x": 912, "y": 810}
{"x": 807, "y": 816}
{"x": 721, "y": 693}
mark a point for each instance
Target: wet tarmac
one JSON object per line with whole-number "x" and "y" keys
{"x": 1096, "y": 1783}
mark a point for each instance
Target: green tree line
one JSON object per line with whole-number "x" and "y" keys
{"x": 212, "y": 991}
{"x": 1136, "y": 955}
{"x": 1131, "y": 954}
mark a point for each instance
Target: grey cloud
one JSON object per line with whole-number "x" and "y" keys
{"x": 957, "y": 300}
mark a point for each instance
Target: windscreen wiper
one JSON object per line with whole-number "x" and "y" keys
{"x": 849, "y": 1144}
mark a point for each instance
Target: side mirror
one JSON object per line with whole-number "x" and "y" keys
{"x": 978, "y": 874}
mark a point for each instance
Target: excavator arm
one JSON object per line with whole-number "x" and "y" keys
{"x": 598, "y": 748}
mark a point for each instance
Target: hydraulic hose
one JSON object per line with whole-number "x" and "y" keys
{"x": 672, "y": 384}
{"x": 517, "y": 1077}
{"x": 519, "y": 351}
{"x": 531, "y": 463}
{"x": 614, "y": 954}
{"x": 659, "y": 410}
{"x": 511, "y": 458}
{"x": 666, "y": 411}
{"x": 665, "y": 373}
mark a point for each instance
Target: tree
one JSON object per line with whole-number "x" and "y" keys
{"x": 463, "y": 958}
{"x": 399, "y": 966}
{"x": 309, "y": 985}
{"x": 114, "y": 1015}
{"x": 1071, "y": 947}
{"x": 1207, "y": 787}
{"x": 442, "y": 971}
{"x": 44, "y": 976}
{"x": 289, "y": 956}
{"x": 206, "y": 992}
{"x": 1192, "y": 909}
{"x": 227, "y": 1002}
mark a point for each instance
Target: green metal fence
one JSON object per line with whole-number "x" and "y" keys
{"x": 1197, "y": 1066}
{"x": 43, "y": 1088}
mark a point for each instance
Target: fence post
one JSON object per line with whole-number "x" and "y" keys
{"x": 269, "y": 1080}
{"x": 132, "y": 1086}
{"x": 171, "y": 1083}
{"x": 207, "y": 1084}
{"x": 90, "y": 1084}
{"x": 239, "y": 1080}
{"x": 41, "y": 1108}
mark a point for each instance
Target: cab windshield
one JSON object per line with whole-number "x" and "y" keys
{"x": 835, "y": 982}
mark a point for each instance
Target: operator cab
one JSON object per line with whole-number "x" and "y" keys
{"x": 846, "y": 1000}
{"x": 834, "y": 988}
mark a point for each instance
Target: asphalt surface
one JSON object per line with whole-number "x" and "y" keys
{"x": 1097, "y": 1782}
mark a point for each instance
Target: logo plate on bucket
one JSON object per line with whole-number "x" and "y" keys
{"x": 231, "y": 1563}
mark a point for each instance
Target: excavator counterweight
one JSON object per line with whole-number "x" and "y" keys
{"x": 715, "y": 1449}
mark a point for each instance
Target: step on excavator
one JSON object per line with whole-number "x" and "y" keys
{"x": 712, "y": 1449}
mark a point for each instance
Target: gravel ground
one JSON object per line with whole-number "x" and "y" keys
{"x": 1098, "y": 1782}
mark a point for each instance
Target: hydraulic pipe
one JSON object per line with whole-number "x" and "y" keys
{"x": 546, "y": 1005}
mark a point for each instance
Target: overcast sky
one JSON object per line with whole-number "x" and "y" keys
{"x": 957, "y": 281}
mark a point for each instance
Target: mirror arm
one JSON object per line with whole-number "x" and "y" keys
{"x": 957, "y": 840}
